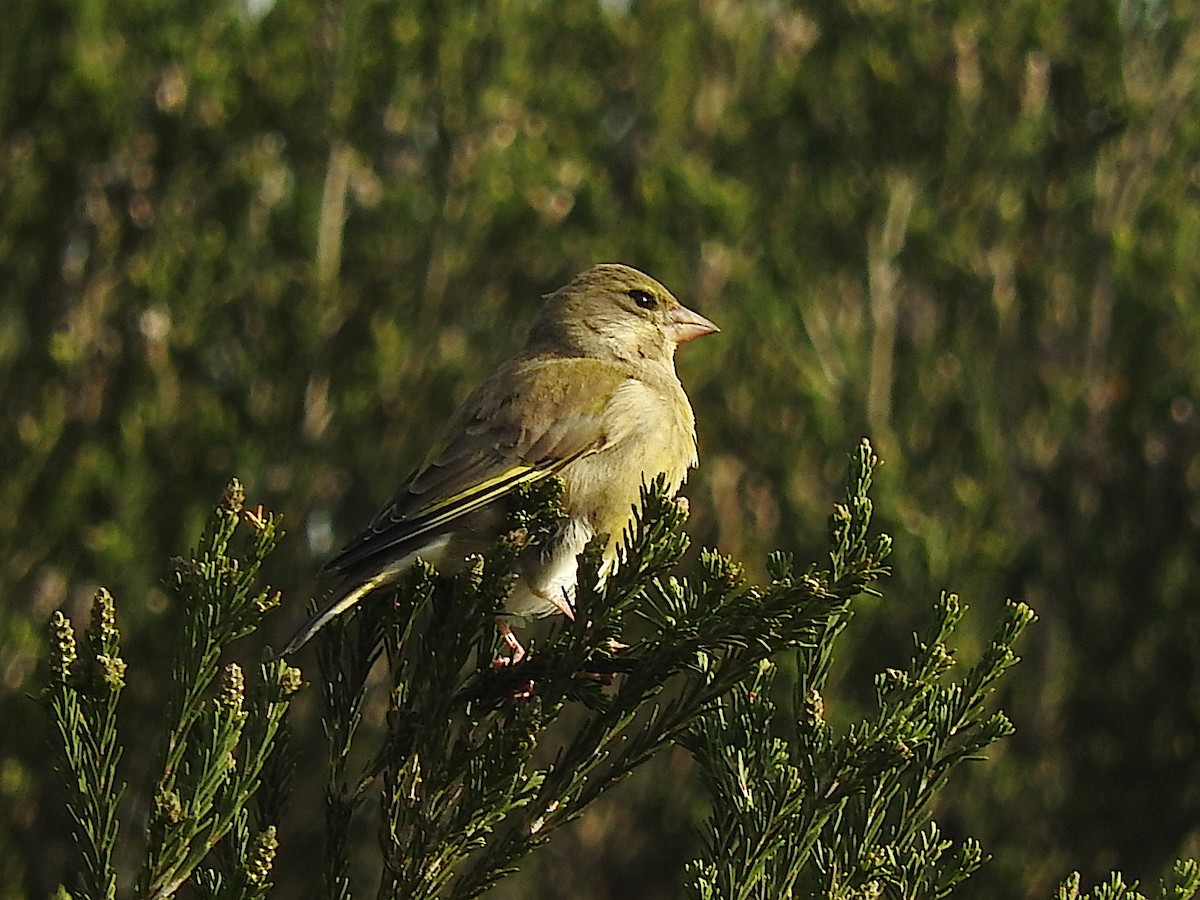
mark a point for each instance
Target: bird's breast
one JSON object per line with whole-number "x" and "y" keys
{"x": 650, "y": 431}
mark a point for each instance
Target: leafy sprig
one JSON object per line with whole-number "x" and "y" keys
{"x": 463, "y": 798}
{"x": 222, "y": 736}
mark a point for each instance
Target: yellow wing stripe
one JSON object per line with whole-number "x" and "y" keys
{"x": 409, "y": 530}
{"x": 486, "y": 491}
{"x": 478, "y": 495}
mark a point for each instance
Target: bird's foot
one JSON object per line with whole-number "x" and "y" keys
{"x": 516, "y": 652}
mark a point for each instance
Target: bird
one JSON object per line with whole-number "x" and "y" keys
{"x": 593, "y": 398}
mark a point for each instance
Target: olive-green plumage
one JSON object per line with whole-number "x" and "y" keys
{"x": 593, "y": 398}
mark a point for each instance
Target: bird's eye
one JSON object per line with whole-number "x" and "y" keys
{"x": 644, "y": 299}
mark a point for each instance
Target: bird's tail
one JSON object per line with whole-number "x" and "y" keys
{"x": 340, "y": 603}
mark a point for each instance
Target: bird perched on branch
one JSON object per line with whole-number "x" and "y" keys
{"x": 592, "y": 398}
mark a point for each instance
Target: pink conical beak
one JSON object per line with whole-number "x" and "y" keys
{"x": 685, "y": 325}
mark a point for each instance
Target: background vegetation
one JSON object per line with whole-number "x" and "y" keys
{"x": 278, "y": 239}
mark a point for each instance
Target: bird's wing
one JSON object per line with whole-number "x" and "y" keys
{"x": 526, "y": 422}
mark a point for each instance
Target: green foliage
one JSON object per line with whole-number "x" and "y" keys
{"x": 462, "y": 801}
{"x": 217, "y": 747}
{"x": 463, "y": 797}
{"x": 811, "y": 813}
{"x": 1183, "y": 884}
{"x": 822, "y": 815}
{"x": 82, "y": 699}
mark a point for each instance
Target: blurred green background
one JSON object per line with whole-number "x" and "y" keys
{"x": 278, "y": 239}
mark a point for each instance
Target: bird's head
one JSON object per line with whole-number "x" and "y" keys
{"x": 611, "y": 311}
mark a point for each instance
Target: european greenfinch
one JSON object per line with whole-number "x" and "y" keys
{"x": 592, "y": 398}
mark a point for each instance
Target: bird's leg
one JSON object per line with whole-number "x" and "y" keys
{"x": 516, "y": 651}
{"x": 557, "y": 599}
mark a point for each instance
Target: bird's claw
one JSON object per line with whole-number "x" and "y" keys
{"x": 516, "y": 651}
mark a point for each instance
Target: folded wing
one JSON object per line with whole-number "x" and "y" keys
{"x": 550, "y": 413}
